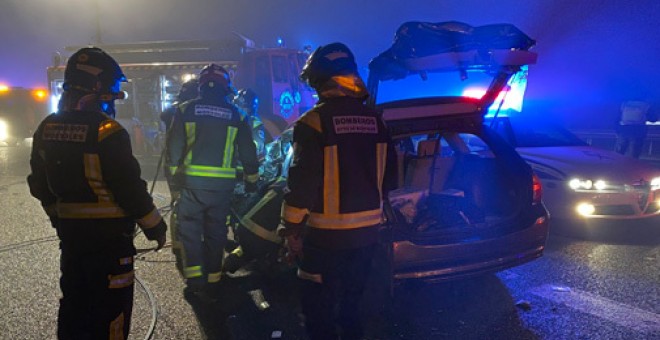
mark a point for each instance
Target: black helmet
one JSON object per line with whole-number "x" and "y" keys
{"x": 189, "y": 90}
{"x": 214, "y": 76}
{"x": 92, "y": 70}
{"x": 248, "y": 99}
{"x": 328, "y": 61}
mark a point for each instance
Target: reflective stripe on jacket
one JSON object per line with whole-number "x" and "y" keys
{"x": 336, "y": 177}
{"x": 83, "y": 168}
{"x": 205, "y": 138}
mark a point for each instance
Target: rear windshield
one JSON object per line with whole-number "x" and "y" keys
{"x": 438, "y": 84}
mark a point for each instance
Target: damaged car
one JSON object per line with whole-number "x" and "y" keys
{"x": 466, "y": 202}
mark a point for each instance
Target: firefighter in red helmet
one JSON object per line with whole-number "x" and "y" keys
{"x": 88, "y": 182}
{"x": 202, "y": 158}
{"x": 336, "y": 183}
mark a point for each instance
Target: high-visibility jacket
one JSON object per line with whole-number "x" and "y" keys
{"x": 335, "y": 182}
{"x": 83, "y": 169}
{"x": 206, "y": 135}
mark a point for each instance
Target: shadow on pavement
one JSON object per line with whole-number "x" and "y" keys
{"x": 260, "y": 305}
{"x": 476, "y": 308}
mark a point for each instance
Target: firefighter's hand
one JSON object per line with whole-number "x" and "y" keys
{"x": 175, "y": 194}
{"x": 161, "y": 242}
{"x": 294, "y": 246}
{"x": 157, "y": 233}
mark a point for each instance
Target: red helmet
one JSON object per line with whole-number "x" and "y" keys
{"x": 213, "y": 75}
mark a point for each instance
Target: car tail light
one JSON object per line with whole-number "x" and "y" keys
{"x": 537, "y": 189}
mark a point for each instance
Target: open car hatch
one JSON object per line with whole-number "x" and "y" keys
{"x": 419, "y": 49}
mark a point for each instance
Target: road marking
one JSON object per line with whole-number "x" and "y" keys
{"x": 619, "y": 313}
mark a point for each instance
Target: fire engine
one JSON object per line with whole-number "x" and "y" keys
{"x": 21, "y": 110}
{"x": 156, "y": 70}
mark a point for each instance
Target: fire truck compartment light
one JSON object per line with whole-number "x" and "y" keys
{"x": 186, "y": 77}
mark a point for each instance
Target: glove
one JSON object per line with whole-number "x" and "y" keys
{"x": 293, "y": 240}
{"x": 157, "y": 233}
{"x": 250, "y": 187}
{"x": 294, "y": 247}
{"x": 175, "y": 194}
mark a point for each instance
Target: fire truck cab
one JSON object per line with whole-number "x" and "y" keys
{"x": 21, "y": 111}
{"x": 156, "y": 71}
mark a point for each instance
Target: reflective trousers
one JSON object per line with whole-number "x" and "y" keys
{"x": 97, "y": 295}
{"x": 343, "y": 275}
{"x": 202, "y": 217}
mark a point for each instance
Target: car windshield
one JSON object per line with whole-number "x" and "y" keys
{"x": 535, "y": 133}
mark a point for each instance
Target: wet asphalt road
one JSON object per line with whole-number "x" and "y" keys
{"x": 580, "y": 289}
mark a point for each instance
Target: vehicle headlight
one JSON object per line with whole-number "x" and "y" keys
{"x": 4, "y": 133}
{"x": 655, "y": 183}
{"x": 600, "y": 185}
{"x": 577, "y": 184}
{"x": 585, "y": 209}
{"x": 587, "y": 184}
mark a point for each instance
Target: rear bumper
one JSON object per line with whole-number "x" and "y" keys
{"x": 452, "y": 261}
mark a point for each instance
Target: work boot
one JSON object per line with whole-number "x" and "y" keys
{"x": 233, "y": 262}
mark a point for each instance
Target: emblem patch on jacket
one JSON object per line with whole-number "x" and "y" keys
{"x": 65, "y": 132}
{"x": 213, "y": 111}
{"x": 355, "y": 124}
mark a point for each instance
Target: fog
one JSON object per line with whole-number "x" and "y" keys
{"x": 592, "y": 54}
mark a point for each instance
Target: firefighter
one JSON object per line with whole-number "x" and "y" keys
{"x": 336, "y": 184}
{"x": 248, "y": 103}
{"x": 88, "y": 182}
{"x": 271, "y": 125}
{"x": 259, "y": 214}
{"x": 201, "y": 155}
{"x": 189, "y": 90}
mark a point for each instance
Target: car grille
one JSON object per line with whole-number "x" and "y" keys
{"x": 614, "y": 210}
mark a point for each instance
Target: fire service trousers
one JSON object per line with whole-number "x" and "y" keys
{"x": 97, "y": 295}
{"x": 343, "y": 275}
{"x": 202, "y": 216}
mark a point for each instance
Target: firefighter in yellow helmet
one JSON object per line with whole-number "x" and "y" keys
{"x": 85, "y": 175}
{"x": 208, "y": 138}
{"x": 336, "y": 184}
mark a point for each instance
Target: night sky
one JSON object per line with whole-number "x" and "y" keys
{"x": 593, "y": 54}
